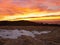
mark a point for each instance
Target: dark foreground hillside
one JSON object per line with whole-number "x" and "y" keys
{"x": 24, "y": 23}
{"x": 52, "y": 38}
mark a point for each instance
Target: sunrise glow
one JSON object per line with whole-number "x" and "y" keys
{"x": 15, "y": 10}
{"x": 32, "y": 16}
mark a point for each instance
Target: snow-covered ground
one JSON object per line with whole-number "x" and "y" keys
{"x": 14, "y": 34}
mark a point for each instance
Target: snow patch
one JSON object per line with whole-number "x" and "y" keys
{"x": 14, "y": 34}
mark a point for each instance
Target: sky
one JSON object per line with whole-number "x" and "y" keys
{"x": 17, "y": 9}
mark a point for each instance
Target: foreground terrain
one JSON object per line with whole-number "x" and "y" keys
{"x": 52, "y": 38}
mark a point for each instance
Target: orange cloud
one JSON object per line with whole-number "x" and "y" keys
{"x": 12, "y": 9}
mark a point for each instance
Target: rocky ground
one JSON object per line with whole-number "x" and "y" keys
{"x": 52, "y": 38}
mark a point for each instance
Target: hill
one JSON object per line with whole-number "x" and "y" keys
{"x": 24, "y": 23}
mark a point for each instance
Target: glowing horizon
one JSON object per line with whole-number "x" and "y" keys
{"x": 32, "y": 16}
{"x": 15, "y": 10}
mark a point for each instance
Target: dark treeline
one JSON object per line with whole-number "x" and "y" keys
{"x": 24, "y": 23}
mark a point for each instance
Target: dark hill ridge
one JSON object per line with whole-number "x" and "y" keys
{"x": 18, "y": 23}
{"x": 24, "y": 23}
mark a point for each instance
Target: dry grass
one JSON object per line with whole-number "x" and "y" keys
{"x": 52, "y": 38}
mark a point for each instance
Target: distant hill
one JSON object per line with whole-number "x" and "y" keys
{"x": 24, "y": 23}
{"x": 18, "y": 23}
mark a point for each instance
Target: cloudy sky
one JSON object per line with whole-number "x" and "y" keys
{"x": 12, "y": 9}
